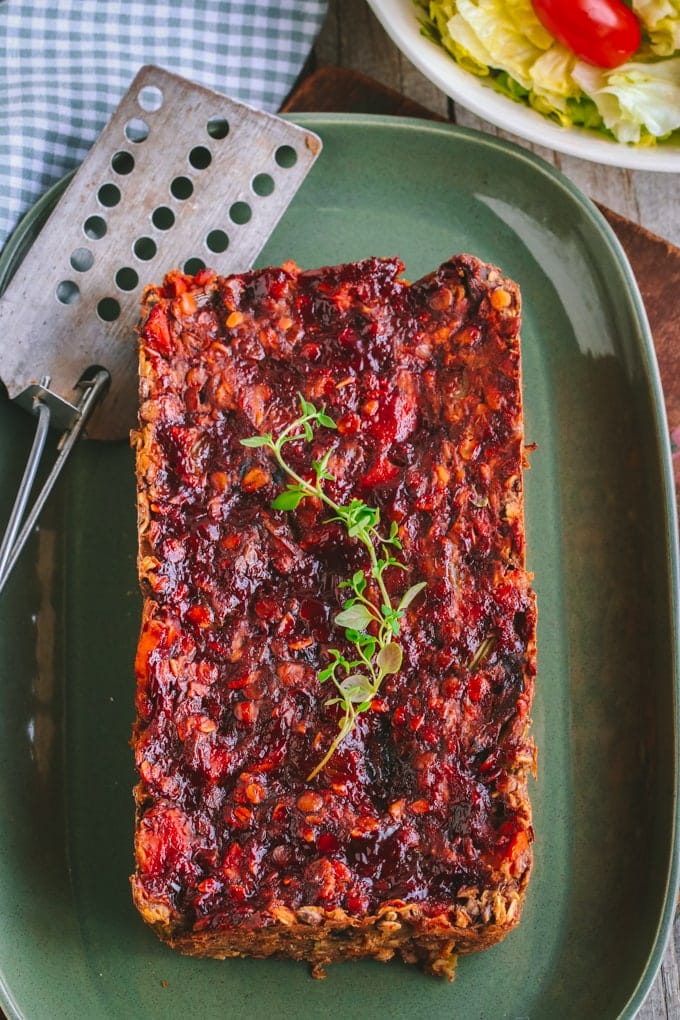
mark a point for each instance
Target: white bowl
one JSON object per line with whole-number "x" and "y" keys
{"x": 400, "y": 19}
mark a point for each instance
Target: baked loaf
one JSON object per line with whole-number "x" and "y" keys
{"x": 415, "y": 838}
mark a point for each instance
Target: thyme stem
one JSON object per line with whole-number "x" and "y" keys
{"x": 356, "y": 681}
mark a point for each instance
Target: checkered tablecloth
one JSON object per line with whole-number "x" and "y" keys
{"x": 64, "y": 64}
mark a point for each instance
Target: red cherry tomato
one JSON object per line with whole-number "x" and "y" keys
{"x": 602, "y": 32}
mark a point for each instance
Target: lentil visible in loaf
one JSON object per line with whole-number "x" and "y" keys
{"x": 416, "y": 836}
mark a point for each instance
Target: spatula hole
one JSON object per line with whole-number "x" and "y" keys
{"x": 94, "y": 227}
{"x": 150, "y": 98}
{"x": 109, "y": 195}
{"x": 182, "y": 188}
{"x": 218, "y": 127}
{"x": 286, "y": 156}
{"x": 82, "y": 259}
{"x": 136, "y": 130}
{"x": 108, "y": 309}
{"x": 122, "y": 162}
{"x": 200, "y": 157}
{"x": 127, "y": 278}
{"x": 193, "y": 266}
{"x": 263, "y": 185}
{"x": 240, "y": 213}
{"x": 217, "y": 241}
{"x": 145, "y": 248}
{"x": 162, "y": 217}
{"x": 67, "y": 292}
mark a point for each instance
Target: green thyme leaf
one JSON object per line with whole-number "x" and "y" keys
{"x": 389, "y": 658}
{"x": 357, "y": 617}
{"x": 289, "y": 499}
{"x": 353, "y": 635}
{"x": 409, "y": 595}
{"x": 391, "y": 618}
{"x": 356, "y": 688}
{"x": 367, "y": 644}
{"x": 305, "y": 406}
{"x": 255, "y": 441}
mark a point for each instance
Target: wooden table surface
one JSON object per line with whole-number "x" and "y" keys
{"x": 352, "y": 38}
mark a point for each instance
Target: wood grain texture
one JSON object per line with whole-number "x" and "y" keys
{"x": 352, "y": 38}
{"x": 660, "y": 289}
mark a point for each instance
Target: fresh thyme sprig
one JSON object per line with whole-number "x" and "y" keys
{"x": 370, "y": 626}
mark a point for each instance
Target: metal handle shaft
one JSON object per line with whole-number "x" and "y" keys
{"x": 17, "y": 533}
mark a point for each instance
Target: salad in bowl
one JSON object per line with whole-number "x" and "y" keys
{"x": 595, "y": 78}
{"x": 598, "y": 64}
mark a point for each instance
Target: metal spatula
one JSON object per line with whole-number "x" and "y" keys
{"x": 180, "y": 177}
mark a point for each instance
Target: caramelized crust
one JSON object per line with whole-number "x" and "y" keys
{"x": 416, "y": 836}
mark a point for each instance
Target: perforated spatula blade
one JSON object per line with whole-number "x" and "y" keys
{"x": 181, "y": 177}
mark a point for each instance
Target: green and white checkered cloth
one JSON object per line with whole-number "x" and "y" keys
{"x": 64, "y": 65}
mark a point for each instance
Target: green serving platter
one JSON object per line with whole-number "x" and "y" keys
{"x": 601, "y": 543}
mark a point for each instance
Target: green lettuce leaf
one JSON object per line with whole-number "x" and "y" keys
{"x": 635, "y": 100}
{"x": 502, "y": 34}
{"x": 661, "y": 19}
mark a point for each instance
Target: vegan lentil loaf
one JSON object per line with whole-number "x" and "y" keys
{"x": 415, "y": 838}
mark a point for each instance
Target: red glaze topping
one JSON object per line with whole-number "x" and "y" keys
{"x": 424, "y": 798}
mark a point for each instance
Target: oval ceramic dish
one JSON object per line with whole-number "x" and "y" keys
{"x": 601, "y": 542}
{"x": 400, "y": 19}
